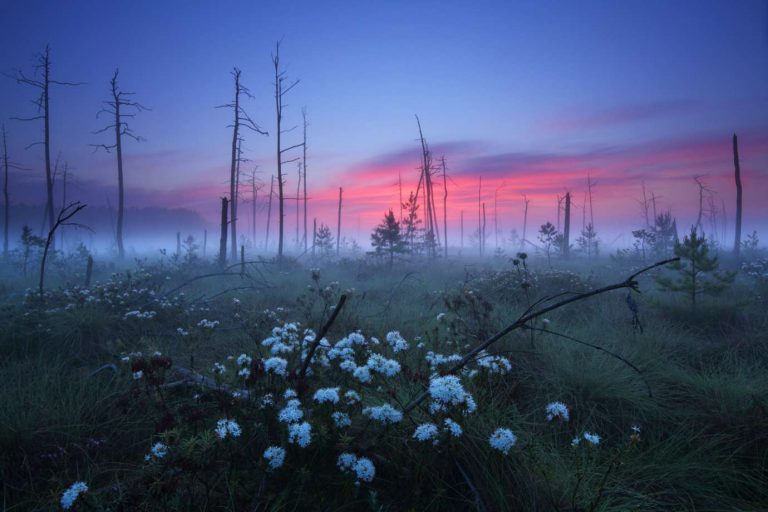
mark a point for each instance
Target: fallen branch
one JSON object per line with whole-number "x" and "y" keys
{"x": 530, "y": 315}
{"x": 321, "y": 335}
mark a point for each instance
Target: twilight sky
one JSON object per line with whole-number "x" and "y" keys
{"x": 532, "y": 96}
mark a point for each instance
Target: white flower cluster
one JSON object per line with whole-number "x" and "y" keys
{"x": 396, "y": 341}
{"x": 426, "y": 432}
{"x": 158, "y": 451}
{"x": 453, "y": 428}
{"x": 300, "y": 434}
{"x": 557, "y": 410}
{"x": 141, "y": 315}
{"x": 448, "y": 391}
{"x": 362, "y": 467}
{"x": 384, "y": 413}
{"x": 493, "y": 364}
{"x": 435, "y": 360}
{"x": 275, "y": 456}
{"x": 284, "y": 340}
{"x": 207, "y": 324}
{"x": 382, "y": 365}
{"x": 352, "y": 397}
{"x": 326, "y": 395}
{"x": 276, "y": 365}
{"x": 590, "y": 437}
{"x": 503, "y": 440}
{"x": 226, "y": 427}
{"x": 341, "y": 419}
{"x": 218, "y": 368}
{"x": 70, "y": 495}
{"x": 291, "y": 413}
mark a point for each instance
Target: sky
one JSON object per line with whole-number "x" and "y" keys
{"x": 533, "y": 97}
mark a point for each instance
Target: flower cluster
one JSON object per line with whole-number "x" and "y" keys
{"x": 226, "y": 427}
{"x": 448, "y": 391}
{"x": 503, "y": 440}
{"x": 275, "y": 456}
{"x": 557, "y": 410}
{"x": 362, "y": 467}
{"x": 385, "y": 414}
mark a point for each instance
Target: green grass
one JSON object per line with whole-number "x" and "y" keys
{"x": 703, "y": 442}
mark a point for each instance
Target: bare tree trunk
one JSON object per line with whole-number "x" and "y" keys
{"x": 242, "y": 260}
{"x": 445, "y": 209}
{"x": 304, "y": 162}
{"x": 480, "y": 216}
{"x": 223, "y": 239}
{"x": 233, "y": 164}
{"x": 483, "y": 251}
{"x": 338, "y": 225}
{"x": 737, "y": 174}
{"x": 46, "y": 108}
{"x": 120, "y": 182}
{"x": 269, "y": 212}
{"x": 400, "y": 185}
{"x": 178, "y": 244}
{"x": 63, "y": 201}
{"x": 461, "y": 247}
{"x": 567, "y": 225}
{"x": 298, "y": 199}
{"x": 66, "y": 213}
{"x": 525, "y": 222}
{"x": 314, "y": 236}
{"x": 89, "y": 271}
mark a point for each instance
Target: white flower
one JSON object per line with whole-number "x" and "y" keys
{"x": 352, "y": 397}
{"x": 275, "y": 456}
{"x": 576, "y": 441}
{"x": 244, "y": 372}
{"x": 636, "y": 429}
{"x": 290, "y": 413}
{"x": 225, "y": 427}
{"x": 440, "y": 317}
{"x": 593, "y": 438}
{"x": 158, "y": 451}
{"x": 207, "y": 324}
{"x": 300, "y": 433}
{"x": 363, "y": 374}
{"x": 182, "y": 332}
{"x": 494, "y": 364}
{"x": 324, "y": 395}
{"x": 364, "y": 469}
{"x": 243, "y": 360}
{"x": 276, "y": 365}
{"x": 557, "y": 410}
{"x": 346, "y": 461}
{"x": 448, "y": 390}
{"x": 382, "y": 365}
{"x": 71, "y": 494}
{"x": 426, "y": 432}
{"x": 503, "y": 440}
{"x": 396, "y": 341}
{"x": 267, "y": 400}
{"x": 384, "y": 413}
{"x": 290, "y": 393}
{"x": 453, "y": 427}
{"x": 218, "y": 368}
{"x": 138, "y": 375}
{"x": 341, "y": 419}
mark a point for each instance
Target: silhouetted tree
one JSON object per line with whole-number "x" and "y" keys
{"x": 43, "y": 82}
{"x": 240, "y": 119}
{"x": 548, "y": 238}
{"x": 386, "y": 238}
{"x": 588, "y": 242}
{"x": 280, "y": 91}
{"x": 114, "y": 108}
{"x": 737, "y": 176}
{"x": 324, "y": 240}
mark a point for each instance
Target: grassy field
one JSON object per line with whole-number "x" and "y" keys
{"x": 117, "y": 386}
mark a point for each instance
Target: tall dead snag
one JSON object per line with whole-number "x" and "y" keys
{"x": 567, "y": 225}
{"x": 269, "y": 211}
{"x": 241, "y": 119}
{"x": 338, "y": 225}
{"x": 65, "y": 214}
{"x": 526, "y": 202}
{"x": 281, "y": 89}
{"x": 445, "y": 208}
{"x": 431, "y": 228}
{"x": 304, "y": 166}
{"x": 737, "y": 175}
{"x": 116, "y": 108}
{"x": 256, "y": 185}
{"x": 43, "y": 81}
{"x": 223, "y": 239}
{"x": 480, "y": 215}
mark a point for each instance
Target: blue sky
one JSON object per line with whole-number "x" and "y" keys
{"x": 554, "y": 78}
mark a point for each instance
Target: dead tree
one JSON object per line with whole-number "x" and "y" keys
{"x": 526, "y": 202}
{"x": 314, "y": 236}
{"x": 66, "y": 213}
{"x": 429, "y": 197}
{"x": 496, "y": 216}
{"x": 223, "y": 239}
{"x": 115, "y": 108}
{"x": 338, "y": 225}
{"x": 280, "y": 91}
{"x": 256, "y": 185}
{"x": 737, "y": 175}
{"x": 269, "y": 211}
{"x": 480, "y": 215}
{"x": 483, "y": 236}
{"x": 43, "y": 81}
{"x": 567, "y": 225}
{"x": 304, "y": 166}
{"x": 298, "y": 202}
{"x": 445, "y": 207}
{"x": 241, "y": 119}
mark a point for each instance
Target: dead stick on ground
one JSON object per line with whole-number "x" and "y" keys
{"x": 527, "y": 317}
{"x": 320, "y": 336}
